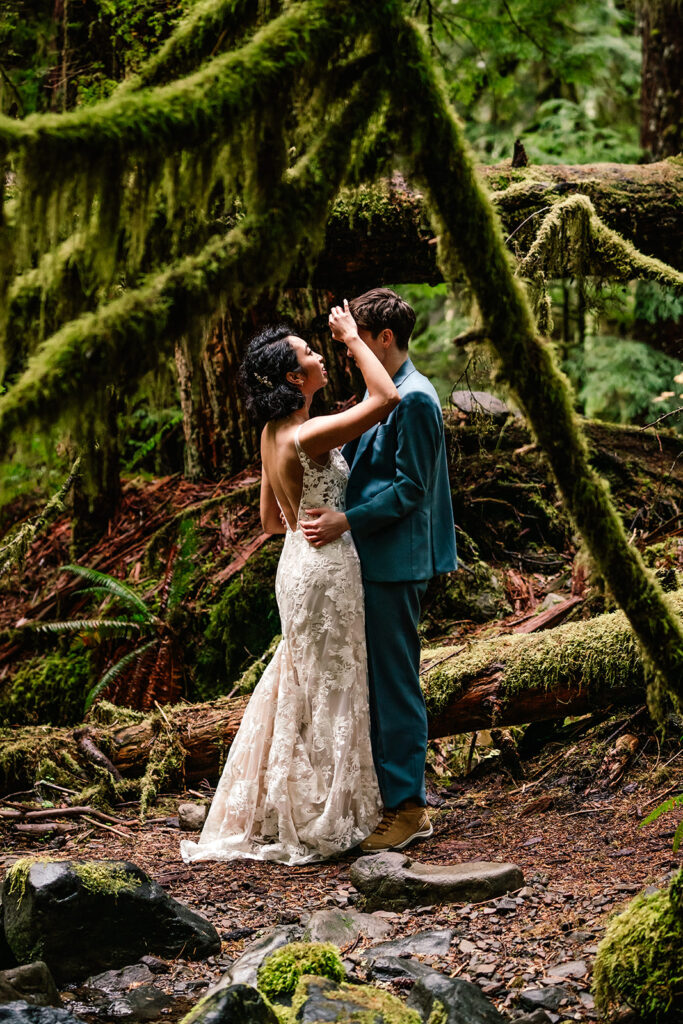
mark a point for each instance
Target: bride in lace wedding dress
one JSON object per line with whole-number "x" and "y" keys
{"x": 299, "y": 783}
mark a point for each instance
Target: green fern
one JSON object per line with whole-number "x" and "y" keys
{"x": 665, "y": 808}
{"x": 110, "y": 585}
{"x": 114, "y": 672}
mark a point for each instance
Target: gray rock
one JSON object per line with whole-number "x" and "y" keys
{"x": 481, "y": 402}
{"x": 342, "y": 927}
{"x": 387, "y": 968}
{"x": 87, "y": 916}
{"x": 191, "y": 817}
{"x": 537, "y": 1017}
{"x": 571, "y": 969}
{"x": 435, "y": 942}
{"x": 127, "y": 994}
{"x": 245, "y": 968}
{"x": 32, "y": 983}
{"x": 393, "y": 881}
{"x": 464, "y": 1002}
{"x": 238, "y": 1004}
{"x": 21, "y": 1012}
{"x": 546, "y": 998}
{"x": 7, "y": 957}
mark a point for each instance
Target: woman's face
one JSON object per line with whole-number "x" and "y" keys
{"x": 312, "y": 366}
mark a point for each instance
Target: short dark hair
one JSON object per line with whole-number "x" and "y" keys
{"x": 263, "y": 374}
{"x": 380, "y": 308}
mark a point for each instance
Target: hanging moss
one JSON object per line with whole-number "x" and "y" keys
{"x": 470, "y": 235}
{"x": 241, "y": 625}
{"x": 48, "y": 689}
{"x": 125, "y": 339}
{"x": 640, "y": 960}
{"x": 573, "y": 240}
{"x": 81, "y": 163}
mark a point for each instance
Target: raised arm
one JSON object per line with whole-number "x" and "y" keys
{"x": 322, "y": 433}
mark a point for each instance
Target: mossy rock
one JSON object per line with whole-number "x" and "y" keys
{"x": 242, "y": 624}
{"x": 48, "y": 688}
{"x": 474, "y": 592}
{"x": 321, "y": 999}
{"x": 239, "y": 1004}
{"x": 279, "y": 975}
{"x": 84, "y": 917}
{"x": 640, "y": 960}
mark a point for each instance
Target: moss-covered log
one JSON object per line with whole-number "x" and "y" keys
{"x": 382, "y": 232}
{"x": 507, "y": 680}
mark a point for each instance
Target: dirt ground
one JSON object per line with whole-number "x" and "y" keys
{"x": 571, "y": 823}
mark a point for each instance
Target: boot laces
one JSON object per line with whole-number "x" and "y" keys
{"x": 386, "y": 822}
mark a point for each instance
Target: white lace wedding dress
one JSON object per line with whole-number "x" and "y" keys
{"x": 299, "y": 784}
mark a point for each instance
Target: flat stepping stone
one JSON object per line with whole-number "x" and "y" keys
{"x": 392, "y": 881}
{"x": 430, "y": 942}
{"x": 342, "y": 927}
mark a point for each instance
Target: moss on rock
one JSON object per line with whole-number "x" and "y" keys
{"x": 360, "y": 1004}
{"x": 280, "y": 973}
{"x": 241, "y": 625}
{"x": 640, "y": 960}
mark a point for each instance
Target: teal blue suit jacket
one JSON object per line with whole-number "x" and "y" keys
{"x": 398, "y": 500}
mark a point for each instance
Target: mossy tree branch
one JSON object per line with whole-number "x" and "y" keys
{"x": 121, "y": 341}
{"x": 470, "y": 236}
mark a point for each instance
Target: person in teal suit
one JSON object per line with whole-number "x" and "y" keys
{"x": 399, "y": 511}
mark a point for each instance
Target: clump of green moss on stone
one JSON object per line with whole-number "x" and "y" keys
{"x": 106, "y": 877}
{"x": 640, "y": 960}
{"x": 280, "y": 973}
{"x": 369, "y": 1004}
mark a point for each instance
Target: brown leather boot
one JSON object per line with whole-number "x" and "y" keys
{"x": 397, "y": 829}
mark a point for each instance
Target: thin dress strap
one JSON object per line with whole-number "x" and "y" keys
{"x": 303, "y": 457}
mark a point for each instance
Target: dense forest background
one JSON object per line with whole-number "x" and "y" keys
{"x": 537, "y": 83}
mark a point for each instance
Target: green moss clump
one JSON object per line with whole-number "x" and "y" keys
{"x": 48, "y": 688}
{"x": 106, "y": 877}
{"x": 280, "y": 973}
{"x": 640, "y": 960}
{"x": 241, "y": 626}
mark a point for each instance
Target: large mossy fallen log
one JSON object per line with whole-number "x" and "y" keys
{"x": 382, "y": 232}
{"x": 505, "y": 680}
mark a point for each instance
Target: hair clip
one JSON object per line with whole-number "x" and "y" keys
{"x": 263, "y": 381}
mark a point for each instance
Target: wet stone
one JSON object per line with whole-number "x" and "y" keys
{"x": 31, "y": 982}
{"x": 21, "y": 1012}
{"x": 82, "y": 917}
{"x": 463, "y": 1001}
{"x": 238, "y": 1004}
{"x": 548, "y": 998}
{"x": 127, "y": 994}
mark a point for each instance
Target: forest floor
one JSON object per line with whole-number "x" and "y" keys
{"x": 576, "y": 835}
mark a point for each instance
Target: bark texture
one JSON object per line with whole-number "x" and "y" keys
{"x": 661, "y": 97}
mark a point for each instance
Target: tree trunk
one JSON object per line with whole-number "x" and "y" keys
{"x": 661, "y": 98}
{"x": 219, "y": 437}
{"x": 97, "y": 489}
{"x": 509, "y": 680}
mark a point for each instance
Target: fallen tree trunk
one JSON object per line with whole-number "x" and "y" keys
{"x": 507, "y": 680}
{"x": 381, "y": 233}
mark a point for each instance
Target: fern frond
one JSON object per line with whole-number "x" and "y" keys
{"x": 116, "y": 588}
{"x": 107, "y": 627}
{"x": 114, "y": 672}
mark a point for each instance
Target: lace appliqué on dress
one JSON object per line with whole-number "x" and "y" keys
{"x": 299, "y": 783}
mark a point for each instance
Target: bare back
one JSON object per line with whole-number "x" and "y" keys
{"x": 283, "y": 467}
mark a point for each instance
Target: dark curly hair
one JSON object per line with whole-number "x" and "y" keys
{"x": 268, "y": 359}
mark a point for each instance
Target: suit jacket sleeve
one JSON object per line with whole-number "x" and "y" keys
{"x": 419, "y": 432}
